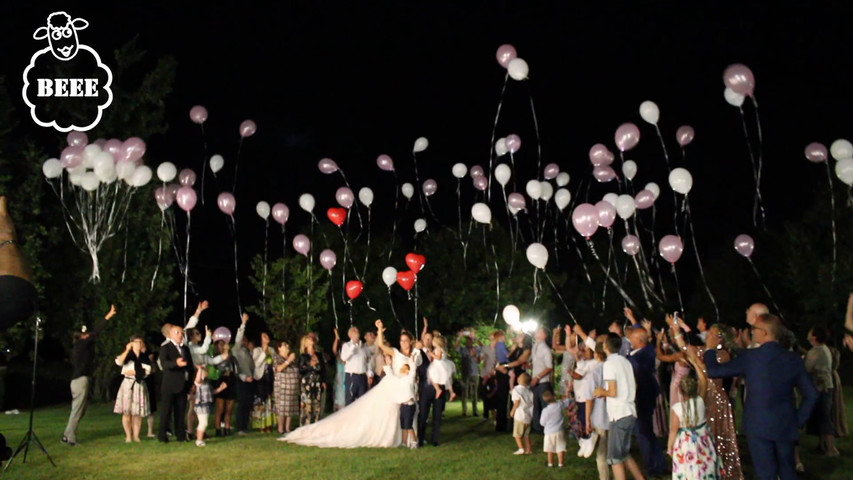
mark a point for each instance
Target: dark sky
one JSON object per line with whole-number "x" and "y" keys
{"x": 351, "y": 80}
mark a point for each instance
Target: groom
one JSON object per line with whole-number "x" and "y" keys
{"x": 356, "y": 366}
{"x": 426, "y": 394}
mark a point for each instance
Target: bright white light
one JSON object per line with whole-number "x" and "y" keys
{"x": 529, "y": 326}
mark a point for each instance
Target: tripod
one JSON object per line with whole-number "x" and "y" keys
{"x": 31, "y": 436}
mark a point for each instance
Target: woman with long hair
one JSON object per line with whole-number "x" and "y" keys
{"x": 224, "y": 369}
{"x": 312, "y": 374}
{"x": 690, "y": 444}
{"x": 132, "y": 398}
{"x": 819, "y": 366}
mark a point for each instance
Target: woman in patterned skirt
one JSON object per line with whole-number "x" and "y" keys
{"x": 132, "y": 398}
{"x": 285, "y": 386}
{"x": 312, "y": 373}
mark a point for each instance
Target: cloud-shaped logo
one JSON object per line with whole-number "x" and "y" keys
{"x": 66, "y": 85}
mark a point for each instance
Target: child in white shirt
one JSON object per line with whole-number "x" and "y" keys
{"x": 522, "y": 414}
{"x": 552, "y": 422}
{"x": 441, "y": 370}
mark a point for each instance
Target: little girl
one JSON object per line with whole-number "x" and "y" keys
{"x": 204, "y": 401}
{"x": 441, "y": 370}
{"x": 405, "y": 391}
{"x": 690, "y": 444}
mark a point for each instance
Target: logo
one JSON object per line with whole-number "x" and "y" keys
{"x": 66, "y": 85}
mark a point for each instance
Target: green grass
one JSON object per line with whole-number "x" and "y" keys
{"x": 470, "y": 450}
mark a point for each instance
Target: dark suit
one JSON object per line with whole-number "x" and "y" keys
{"x": 770, "y": 417}
{"x": 643, "y": 362}
{"x": 174, "y": 389}
{"x": 426, "y": 394}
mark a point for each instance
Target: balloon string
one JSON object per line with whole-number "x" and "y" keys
{"x": 419, "y": 191}
{"x": 393, "y": 310}
{"x": 344, "y": 264}
{"x": 536, "y": 289}
{"x": 497, "y": 279}
{"x": 760, "y": 160}
{"x": 655, "y": 259}
{"x": 646, "y": 272}
{"x": 608, "y": 277}
{"x": 556, "y": 236}
{"x": 416, "y": 304}
{"x": 236, "y": 270}
{"x": 124, "y": 254}
{"x": 367, "y": 252}
{"x": 640, "y": 278}
{"x": 394, "y": 228}
{"x": 536, "y": 129}
{"x": 663, "y": 147}
{"x": 283, "y": 266}
{"x": 203, "y": 161}
{"x": 264, "y": 281}
{"x": 754, "y": 167}
{"x": 583, "y": 262}
{"x": 699, "y": 262}
{"x": 677, "y": 288}
{"x": 308, "y": 293}
{"x": 187, "y": 265}
{"x": 159, "y": 248}
{"x": 514, "y": 172}
{"x": 607, "y": 272}
{"x": 355, "y": 204}
{"x": 834, "y": 238}
{"x": 494, "y": 130}
{"x": 766, "y": 290}
{"x": 563, "y": 302}
{"x": 350, "y": 315}
{"x": 332, "y": 299}
{"x": 237, "y": 165}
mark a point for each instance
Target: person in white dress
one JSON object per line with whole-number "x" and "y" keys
{"x": 441, "y": 370}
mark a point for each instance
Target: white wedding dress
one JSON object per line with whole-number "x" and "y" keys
{"x": 371, "y": 421}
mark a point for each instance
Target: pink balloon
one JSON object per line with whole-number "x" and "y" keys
{"x": 186, "y": 198}
{"x": 100, "y": 142}
{"x": 670, "y": 248}
{"x": 77, "y": 139}
{"x": 627, "y": 136}
{"x": 187, "y": 177}
{"x": 684, "y": 135}
{"x": 505, "y": 54}
{"x": 481, "y": 183}
{"x": 516, "y": 201}
{"x": 328, "y": 259}
{"x": 644, "y": 199}
{"x": 600, "y": 155}
{"x": 816, "y": 152}
{"x": 132, "y": 149}
{"x": 384, "y": 162}
{"x": 551, "y": 171}
{"x": 345, "y": 197}
{"x": 280, "y": 213}
{"x": 112, "y": 146}
{"x": 248, "y": 128}
{"x": 301, "y": 244}
{"x": 227, "y": 203}
{"x": 603, "y": 173}
{"x": 740, "y": 79}
{"x": 631, "y": 245}
{"x": 71, "y": 157}
{"x": 476, "y": 171}
{"x": 173, "y": 189}
{"x": 430, "y": 187}
{"x": 222, "y": 333}
{"x": 513, "y": 143}
{"x": 744, "y": 245}
{"x": 198, "y": 114}
{"x": 585, "y": 219}
{"x": 164, "y": 197}
{"x": 327, "y": 166}
{"x": 606, "y": 214}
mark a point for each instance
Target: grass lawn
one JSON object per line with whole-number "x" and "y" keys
{"x": 470, "y": 450}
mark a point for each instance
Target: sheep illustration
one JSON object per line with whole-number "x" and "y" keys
{"x": 61, "y": 33}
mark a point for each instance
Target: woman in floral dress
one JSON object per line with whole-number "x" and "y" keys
{"x": 690, "y": 444}
{"x": 312, "y": 373}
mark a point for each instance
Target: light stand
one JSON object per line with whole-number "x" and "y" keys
{"x": 31, "y": 436}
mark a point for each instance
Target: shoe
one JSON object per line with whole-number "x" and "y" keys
{"x": 520, "y": 451}
{"x": 242, "y": 433}
{"x": 590, "y": 445}
{"x": 200, "y": 443}
{"x": 550, "y": 465}
{"x": 64, "y": 439}
{"x": 413, "y": 445}
{"x": 582, "y": 446}
{"x": 560, "y": 465}
{"x": 800, "y": 468}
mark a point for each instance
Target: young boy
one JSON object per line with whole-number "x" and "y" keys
{"x": 552, "y": 422}
{"x": 522, "y": 415}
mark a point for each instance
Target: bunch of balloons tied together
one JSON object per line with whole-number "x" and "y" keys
{"x": 405, "y": 279}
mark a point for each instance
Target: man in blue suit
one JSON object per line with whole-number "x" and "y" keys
{"x": 642, "y": 359}
{"x": 770, "y": 418}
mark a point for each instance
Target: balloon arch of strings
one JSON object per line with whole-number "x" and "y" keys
{"x": 96, "y": 182}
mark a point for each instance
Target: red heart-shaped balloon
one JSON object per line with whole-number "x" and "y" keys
{"x": 337, "y": 215}
{"x": 354, "y": 288}
{"x": 415, "y": 262}
{"x": 406, "y": 279}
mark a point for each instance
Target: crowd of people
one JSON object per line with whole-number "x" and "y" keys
{"x": 672, "y": 390}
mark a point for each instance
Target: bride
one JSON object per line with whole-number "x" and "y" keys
{"x": 374, "y": 419}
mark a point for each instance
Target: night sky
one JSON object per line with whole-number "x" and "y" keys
{"x": 351, "y": 80}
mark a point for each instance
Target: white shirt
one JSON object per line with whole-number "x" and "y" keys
{"x": 441, "y": 372}
{"x": 697, "y": 406}
{"x": 551, "y": 418}
{"x": 584, "y": 368}
{"x": 524, "y": 412}
{"x": 259, "y": 357}
{"x": 356, "y": 358}
{"x": 618, "y": 369}
{"x": 542, "y": 360}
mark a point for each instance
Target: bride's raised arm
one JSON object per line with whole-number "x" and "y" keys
{"x": 380, "y": 339}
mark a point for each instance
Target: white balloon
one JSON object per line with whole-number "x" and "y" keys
{"x": 546, "y": 191}
{"x": 680, "y": 180}
{"x": 459, "y": 170}
{"x": 562, "y": 179}
{"x": 650, "y": 112}
{"x": 518, "y": 69}
{"x": 166, "y": 171}
{"x": 89, "y": 153}
{"x": 611, "y": 198}
{"x": 89, "y": 182}
{"x": 537, "y": 255}
{"x": 503, "y": 174}
{"x": 216, "y": 163}
{"x": 306, "y": 202}
{"x": 562, "y": 198}
{"x": 844, "y": 171}
{"x": 625, "y": 206}
{"x": 513, "y": 210}
{"x": 481, "y": 212}
{"x": 124, "y": 169}
{"x": 733, "y": 98}
{"x": 51, "y": 168}
{"x": 629, "y": 169}
{"x": 421, "y": 144}
{"x": 365, "y": 196}
{"x": 654, "y": 188}
{"x": 76, "y": 177}
{"x": 534, "y": 189}
{"x": 408, "y": 190}
{"x": 841, "y": 149}
{"x": 420, "y": 225}
{"x": 105, "y": 169}
{"x": 511, "y": 315}
{"x": 500, "y": 147}
{"x": 141, "y": 176}
{"x": 263, "y": 209}
{"x": 389, "y": 276}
